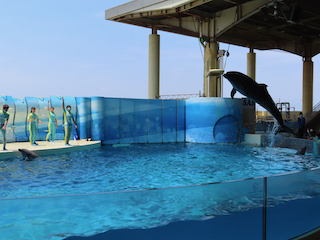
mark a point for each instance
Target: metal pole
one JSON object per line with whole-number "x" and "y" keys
{"x": 264, "y": 212}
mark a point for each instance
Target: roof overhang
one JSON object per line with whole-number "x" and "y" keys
{"x": 289, "y": 25}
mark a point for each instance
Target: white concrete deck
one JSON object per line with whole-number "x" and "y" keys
{"x": 45, "y": 147}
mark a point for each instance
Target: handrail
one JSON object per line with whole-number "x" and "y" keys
{"x": 309, "y": 115}
{"x": 179, "y": 96}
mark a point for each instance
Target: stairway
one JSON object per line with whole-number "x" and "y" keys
{"x": 312, "y": 120}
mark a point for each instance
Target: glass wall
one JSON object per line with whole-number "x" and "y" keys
{"x": 290, "y": 203}
{"x": 85, "y": 215}
{"x": 293, "y": 204}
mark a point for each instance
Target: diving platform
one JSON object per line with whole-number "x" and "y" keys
{"x": 45, "y": 148}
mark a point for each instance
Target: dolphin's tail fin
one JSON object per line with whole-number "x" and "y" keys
{"x": 233, "y": 92}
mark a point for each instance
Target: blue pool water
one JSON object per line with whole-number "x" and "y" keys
{"x": 143, "y": 166}
{"x": 28, "y": 213}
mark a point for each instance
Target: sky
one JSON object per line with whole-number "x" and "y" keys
{"x": 67, "y": 48}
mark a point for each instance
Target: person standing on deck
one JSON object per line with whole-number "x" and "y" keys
{"x": 301, "y": 125}
{"x": 4, "y": 118}
{"x": 52, "y": 125}
{"x": 68, "y": 119}
{"x": 33, "y": 129}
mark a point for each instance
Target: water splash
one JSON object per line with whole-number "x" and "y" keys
{"x": 271, "y": 136}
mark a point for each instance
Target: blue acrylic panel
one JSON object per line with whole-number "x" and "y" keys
{"x": 72, "y": 102}
{"x": 83, "y": 117}
{"x": 43, "y": 115}
{"x": 126, "y": 120}
{"x": 181, "y": 120}
{"x": 169, "y": 120}
{"x": 227, "y": 130}
{"x": 97, "y": 118}
{"x": 112, "y": 120}
{"x": 209, "y": 210}
{"x": 206, "y": 120}
{"x": 32, "y": 102}
{"x": 293, "y": 204}
{"x": 316, "y": 148}
{"x": 142, "y": 126}
{"x": 56, "y": 102}
{"x": 10, "y": 136}
{"x": 88, "y": 110}
{"x": 20, "y": 120}
{"x": 155, "y": 121}
{"x": 136, "y": 120}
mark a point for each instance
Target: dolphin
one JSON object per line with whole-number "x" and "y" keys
{"x": 256, "y": 92}
{"x": 302, "y": 151}
{"x": 29, "y": 155}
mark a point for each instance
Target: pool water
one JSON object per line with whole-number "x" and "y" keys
{"x": 28, "y": 213}
{"x": 143, "y": 166}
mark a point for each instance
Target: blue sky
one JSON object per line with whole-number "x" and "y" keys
{"x": 53, "y": 48}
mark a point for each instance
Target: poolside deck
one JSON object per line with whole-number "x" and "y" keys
{"x": 45, "y": 147}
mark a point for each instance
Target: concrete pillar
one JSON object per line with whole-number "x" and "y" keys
{"x": 212, "y": 84}
{"x": 251, "y": 64}
{"x": 218, "y": 79}
{"x": 154, "y": 64}
{"x": 249, "y": 112}
{"x": 307, "y": 94}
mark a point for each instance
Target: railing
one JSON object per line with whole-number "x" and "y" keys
{"x": 309, "y": 116}
{"x": 180, "y": 96}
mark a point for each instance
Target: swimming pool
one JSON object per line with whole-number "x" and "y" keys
{"x": 143, "y": 166}
{"x": 135, "y": 167}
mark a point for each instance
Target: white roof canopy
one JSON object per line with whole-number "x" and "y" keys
{"x": 294, "y": 27}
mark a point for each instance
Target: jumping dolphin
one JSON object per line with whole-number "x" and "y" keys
{"x": 29, "y": 155}
{"x": 302, "y": 151}
{"x": 256, "y": 92}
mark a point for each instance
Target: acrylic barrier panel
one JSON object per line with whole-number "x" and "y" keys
{"x": 136, "y": 121}
{"x": 56, "y": 102}
{"x": 20, "y": 120}
{"x": 83, "y": 117}
{"x": 97, "y": 118}
{"x": 127, "y": 125}
{"x": 142, "y": 125}
{"x": 169, "y": 121}
{"x": 181, "y": 120}
{"x": 32, "y": 102}
{"x": 85, "y": 215}
{"x": 205, "y": 121}
{"x": 227, "y": 130}
{"x": 293, "y": 204}
{"x": 43, "y": 115}
{"x": 73, "y": 104}
{"x": 155, "y": 121}
{"x": 88, "y": 110}
{"x": 10, "y": 135}
{"x": 316, "y": 148}
{"x": 111, "y": 120}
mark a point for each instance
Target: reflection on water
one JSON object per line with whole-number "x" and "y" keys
{"x": 143, "y": 166}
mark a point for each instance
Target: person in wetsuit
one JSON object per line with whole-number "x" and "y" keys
{"x": 4, "y": 118}
{"x": 68, "y": 119}
{"x": 33, "y": 129}
{"x": 52, "y": 125}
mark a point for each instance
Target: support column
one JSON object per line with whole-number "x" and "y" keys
{"x": 249, "y": 111}
{"x": 307, "y": 94}
{"x": 211, "y": 84}
{"x": 154, "y": 64}
{"x": 251, "y": 64}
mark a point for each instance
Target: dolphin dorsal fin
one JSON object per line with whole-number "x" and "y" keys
{"x": 233, "y": 92}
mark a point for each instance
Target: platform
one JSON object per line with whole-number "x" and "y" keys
{"x": 45, "y": 147}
